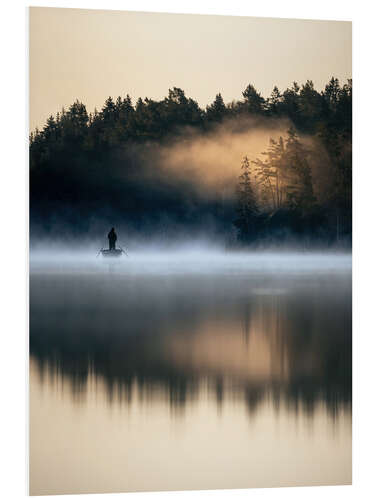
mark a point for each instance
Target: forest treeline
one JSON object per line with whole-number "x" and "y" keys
{"x": 99, "y": 166}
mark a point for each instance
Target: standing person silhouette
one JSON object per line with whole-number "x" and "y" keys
{"x": 112, "y": 237}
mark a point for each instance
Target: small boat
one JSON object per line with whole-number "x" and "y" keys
{"x": 112, "y": 253}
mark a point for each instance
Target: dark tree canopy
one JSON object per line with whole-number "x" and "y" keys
{"x": 95, "y": 165}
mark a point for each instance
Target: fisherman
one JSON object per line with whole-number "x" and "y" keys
{"x": 112, "y": 237}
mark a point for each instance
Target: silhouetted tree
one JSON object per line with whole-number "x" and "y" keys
{"x": 247, "y": 209}
{"x": 332, "y": 93}
{"x": 254, "y": 102}
{"x": 284, "y": 175}
{"x": 216, "y": 111}
{"x": 290, "y": 104}
{"x": 300, "y": 192}
{"x": 271, "y": 175}
{"x": 273, "y": 102}
{"x": 310, "y": 106}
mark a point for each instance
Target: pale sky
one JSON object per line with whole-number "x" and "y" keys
{"x": 92, "y": 54}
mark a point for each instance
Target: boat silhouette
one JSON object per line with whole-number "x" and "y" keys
{"x": 112, "y": 252}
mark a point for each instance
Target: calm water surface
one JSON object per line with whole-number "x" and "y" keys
{"x": 177, "y": 373}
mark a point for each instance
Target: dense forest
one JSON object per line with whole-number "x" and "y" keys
{"x": 89, "y": 171}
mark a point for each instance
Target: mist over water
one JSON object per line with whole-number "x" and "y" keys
{"x": 194, "y": 258}
{"x": 164, "y": 359}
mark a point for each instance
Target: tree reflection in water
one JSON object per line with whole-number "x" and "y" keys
{"x": 285, "y": 340}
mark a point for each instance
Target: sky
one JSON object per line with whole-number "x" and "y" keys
{"x": 92, "y": 54}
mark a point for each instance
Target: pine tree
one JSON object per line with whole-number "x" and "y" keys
{"x": 247, "y": 207}
{"x": 300, "y": 193}
{"x": 285, "y": 175}
{"x": 254, "y": 102}
{"x": 273, "y": 101}
{"x": 217, "y": 110}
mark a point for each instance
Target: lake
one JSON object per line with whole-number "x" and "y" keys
{"x": 189, "y": 371}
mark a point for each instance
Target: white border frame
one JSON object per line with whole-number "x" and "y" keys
{"x": 14, "y": 225}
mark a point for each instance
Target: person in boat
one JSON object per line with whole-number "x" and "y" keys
{"x": 112, "y": 237}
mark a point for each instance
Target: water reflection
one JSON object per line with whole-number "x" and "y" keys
{"x": 252, "y": 338}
